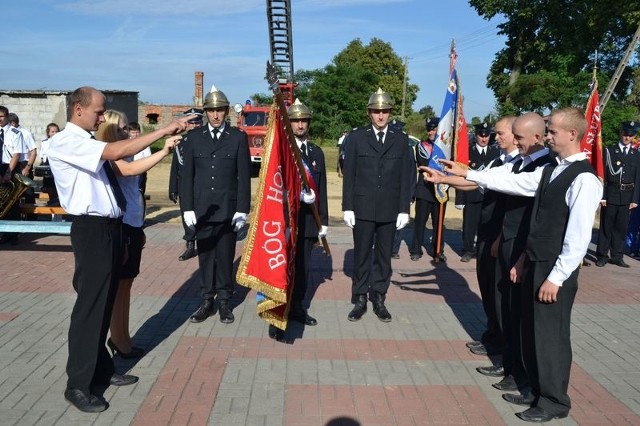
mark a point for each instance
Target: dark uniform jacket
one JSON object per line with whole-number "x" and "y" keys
{"x": 424, "y": 190}
{"x": 477, "y": 163}
{"x": 376, "y": 182}
{"x": 216, "y": 176}
{"x": 316, "y": 166}
{"x": 621, "y": 187}
{"x": 176, "y": 166}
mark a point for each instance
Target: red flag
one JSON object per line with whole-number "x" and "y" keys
{"x": 267, "y": 263}
{"x": 461, "y": 140}
{"x": 591, "y": 143}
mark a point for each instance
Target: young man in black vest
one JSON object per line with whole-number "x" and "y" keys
{"x": 567, "y": 196}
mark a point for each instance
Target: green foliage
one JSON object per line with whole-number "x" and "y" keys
{"x": 612, "y": 117}
{"x": 550, "y": 47}
{"x": 338, "y": 94}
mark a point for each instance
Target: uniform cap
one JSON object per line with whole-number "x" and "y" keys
{"x": 483, "y": 129}
{"x": 432, "y": 123}
{"x": 630, "y": 127}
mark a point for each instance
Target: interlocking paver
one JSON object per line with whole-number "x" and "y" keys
{"x": 412, "y": 371}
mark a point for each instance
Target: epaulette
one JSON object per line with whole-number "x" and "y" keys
{"x": 14, "y": 130}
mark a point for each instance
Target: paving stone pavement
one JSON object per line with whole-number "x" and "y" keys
{"x": 415, "y": 370}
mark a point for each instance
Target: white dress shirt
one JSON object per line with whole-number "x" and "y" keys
{"x": 582, "y": 197}
{"x": 376, "y": 131}
{"x": 83, "y": 185}
{"x": 13, "y": 143}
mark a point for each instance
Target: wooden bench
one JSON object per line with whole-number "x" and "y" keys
{"x": 41, "y": 209}
{"x": 35, "y": 227}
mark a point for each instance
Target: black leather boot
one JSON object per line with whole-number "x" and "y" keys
{"x": 204, "y": 311}
{"x": 189, "y": 252}
{"x": 359, "y": 309}
{"x": 226, "y": 316}
{"x": 378, "y": 307}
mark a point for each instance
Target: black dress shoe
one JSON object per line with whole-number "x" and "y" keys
{"x": 519, "y": 399}
{"x": 379, "y": 309}
{"x": 620, "y": 263}
{"x": 492, "y": 371}
{"x": 506, "y": 384}
{"x": 122, "y": 379}
{"x": 204, "y": 311}
{"x": 84, "y": 401}
{"x": 601, "y": 262}
{"x": 226, "y": 316}
{"x": 486, "y": 350}
{"x": 359, "y": 309}
{"x": 539, "y": 415}
{"x": 134, "y": 353}
{"x": 302, "y": 317}
{"x": 415, "y": 257}
{"x": 275, "y": 333}
{"x": 466, "y": 257}
{"x": 189, "y": 252}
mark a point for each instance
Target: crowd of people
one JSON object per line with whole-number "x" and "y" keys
{"x": 528, "y": 246}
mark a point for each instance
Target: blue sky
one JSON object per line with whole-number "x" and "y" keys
{"x": 154, "y": 47}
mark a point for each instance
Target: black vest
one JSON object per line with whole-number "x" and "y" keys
{"x": 517, "y": 210}
{"x": 492, "y": 211}
{"x": 551, "y": 213}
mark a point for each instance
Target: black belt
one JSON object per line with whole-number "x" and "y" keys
{"x": 96, "y": 219}
{"x": 626, "y": 186}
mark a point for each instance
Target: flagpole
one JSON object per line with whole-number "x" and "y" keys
{"x": 272, "y": 78}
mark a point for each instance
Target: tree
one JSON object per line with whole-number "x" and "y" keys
{"x": 550, "y": 42}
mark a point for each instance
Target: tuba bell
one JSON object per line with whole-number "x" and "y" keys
{"x": 11, "y": 191}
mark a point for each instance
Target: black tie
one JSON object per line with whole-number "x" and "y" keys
{"x": 482, "y": 156}
{"x": 626, "y": 150}
{"x": 380, "y": 137}
{"x": 305, "y": 153}
{"x": 215, "y": 134}
{"x": 115, "y": 186}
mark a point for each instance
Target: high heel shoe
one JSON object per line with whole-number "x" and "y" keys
{"x": 135, "y": 352}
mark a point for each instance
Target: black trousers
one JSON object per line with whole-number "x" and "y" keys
{"x": 509, "y": 300}
{"x": 304, "y": 247}
{"x": 189, "y": 233}
{"x": 614, "y": 221}
{"x": 424, "y": 209}
{"x": 97, "y": 250}
{"x": 216, "y": 250}
{"x": 486, "y": 275}
{"x": 470, "y": 223}
{"x": 546, "y": 337}
{"x": 367, "y": 276}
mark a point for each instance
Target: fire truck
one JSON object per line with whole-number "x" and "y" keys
{"x": 253, "y": 118}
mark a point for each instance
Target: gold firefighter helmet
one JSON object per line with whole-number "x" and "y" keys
{"x": 299, "y": 111}
{"x": 380, "y": 100}
{"x": 215, "y": 99}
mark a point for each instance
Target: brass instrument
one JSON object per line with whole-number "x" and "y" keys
{"x": 11, "y": 191}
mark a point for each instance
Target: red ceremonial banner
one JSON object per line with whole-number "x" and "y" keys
{"x": 267, "y": 263}
{"x": 591, "y": 143}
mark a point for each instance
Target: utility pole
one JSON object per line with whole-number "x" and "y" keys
{"x": 404, "y": 87}
{"x": 621, "y": 66}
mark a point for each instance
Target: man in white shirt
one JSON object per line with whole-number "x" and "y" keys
{"x": 11, "y": 146}
{"x": 29, "y": 150}
{"x": 559, "y": 236}
{"x": 89, "y": 191}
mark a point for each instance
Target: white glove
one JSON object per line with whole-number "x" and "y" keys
{"x": 238, "y": 221}
{"x": 402, "y": 220}
{"x": 459, "y": 206}
{"x": 323, "y": 232}
{"x": 349, "y": 218}
{"x": 189, "y": 218}
{"x": 308, "y": 197}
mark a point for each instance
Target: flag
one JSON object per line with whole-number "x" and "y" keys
{"x": 451, "y": 137}
{"x": 591, "y": 143}
{"x": 268, "y": 258}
